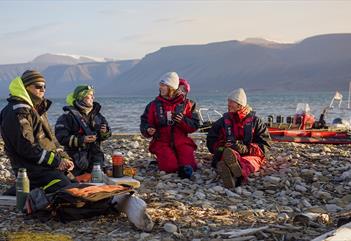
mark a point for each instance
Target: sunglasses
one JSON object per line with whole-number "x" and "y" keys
{"x": 40, "y": 87}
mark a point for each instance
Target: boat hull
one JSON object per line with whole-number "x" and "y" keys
{"x": 310, "y": 136}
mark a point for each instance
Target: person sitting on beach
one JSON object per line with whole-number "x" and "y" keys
{"x": 239, "y": 141}
{"x": 168, "y": 120}
{"x": 82, "y": 128}
{"x": 303, "y": 118}
{"x": 29, "y": 141}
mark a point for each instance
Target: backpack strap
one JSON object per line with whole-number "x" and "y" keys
{"x": 228, "y": 127}
{"x": 161, "y": 117}
{"x": 81, "y": 121}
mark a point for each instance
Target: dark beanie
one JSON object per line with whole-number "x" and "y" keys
{"x": 31, "y": 76}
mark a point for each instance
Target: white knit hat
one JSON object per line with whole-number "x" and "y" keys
{"x": 238, "y": 96}
{"x": 171, "y": 79}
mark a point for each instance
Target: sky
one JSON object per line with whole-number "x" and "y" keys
{"x": 132, "y": 29}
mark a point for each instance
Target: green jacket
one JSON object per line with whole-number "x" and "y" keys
{"x": 26, "y": 132}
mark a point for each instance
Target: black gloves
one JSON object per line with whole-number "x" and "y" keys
{"x": 81, "y": 160}
{"x": 241, "y": 148}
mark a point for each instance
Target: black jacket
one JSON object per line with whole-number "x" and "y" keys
{"x": 29, "y": 142}
{"x": 70, "y": 133}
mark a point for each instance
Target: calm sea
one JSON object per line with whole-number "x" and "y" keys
{"x": 123, "y": 113}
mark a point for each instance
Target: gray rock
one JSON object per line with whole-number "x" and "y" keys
{"x": 257, "y": 194}
{"x": 218, "y": 189}
{"x": 346, "y": 175}
{"x": 273, "y": 180}
{"x": 135, "y": 144}
{"x": 283, "y": 217}
{"x": 231, "y": 194}
{"x": 333, "y": 208}
{"x": 300, "y": 188}
{"x": 170, "y": 228}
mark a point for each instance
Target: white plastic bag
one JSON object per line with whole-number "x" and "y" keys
{"x": 135, "y": 208}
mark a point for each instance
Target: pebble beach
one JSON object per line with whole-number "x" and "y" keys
{"x": 301, "y": 193}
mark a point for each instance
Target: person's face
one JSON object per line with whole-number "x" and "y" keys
{"x": 164, "y": 90}
{"x": 89, "y": 99}
{"x": 37, "y": 89}
{"x": 182, "y": 90}
{"x": 233, "y": 106}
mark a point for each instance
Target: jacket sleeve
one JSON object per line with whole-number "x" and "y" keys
{"x": 191, "y": 121}
{"x": 215, "y": 138}
{"x": 146, "y": 121}
{"x": 261, "y": 139}
{"x": 59, "y": 148}
{"x": 25, "y": 143}
{"x": 104, "y": 136}
{"x": 65, "y": 134}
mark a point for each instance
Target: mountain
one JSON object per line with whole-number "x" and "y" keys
{"x": 318, "y": 63}
{"x": 64, "y": 72}
{"x": 67, "y": 59}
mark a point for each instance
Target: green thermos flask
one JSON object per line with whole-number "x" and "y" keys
{"x": 22, "y": 188}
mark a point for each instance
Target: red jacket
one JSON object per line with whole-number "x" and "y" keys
{"x": 249, "y": 129}
{"x": 158, "y": 114}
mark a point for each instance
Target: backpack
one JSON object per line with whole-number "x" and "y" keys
{"x": 76, "y": 201}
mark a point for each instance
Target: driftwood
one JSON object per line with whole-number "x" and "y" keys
{"x": 242, "y": 232}
{"x": 342, "y": 233}
{"x": 246, "y": 238}
{"x": 7, "y": 200}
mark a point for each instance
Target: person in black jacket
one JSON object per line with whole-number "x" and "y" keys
{"x": 29, "y": 142}
{"x": 82, "y": 128}
{"x": 239, "y": 141}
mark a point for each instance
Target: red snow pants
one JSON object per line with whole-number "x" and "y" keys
{"x": 170, "y": 160}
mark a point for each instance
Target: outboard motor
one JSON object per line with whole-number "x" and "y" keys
{"x": 280, "y": 119}
{"x": 290, "y": 119}
{"x": 270, "y": 119}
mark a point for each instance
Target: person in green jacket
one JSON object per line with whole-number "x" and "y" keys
{"x": 82, "y": 128}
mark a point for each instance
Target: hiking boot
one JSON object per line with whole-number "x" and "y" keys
{"x": 231, "y": 161}
{"x": 225, "y": 174}
{"x": 185, "y": 172}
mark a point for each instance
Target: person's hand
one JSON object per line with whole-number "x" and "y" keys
{"x": 103, "y": 128}
{"x": 62, "y": 154}
{"x": 89, "y": 138}
{"x": 178, "y": 117}
{"x": 151, "y": 131}
{"x": 65, "y": 164}
{"x": 241, "y": 148}
{"x": 228, "y": 144}
{"x": 70, "y": 165}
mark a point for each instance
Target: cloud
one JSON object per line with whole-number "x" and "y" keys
{"x": 185, "y": 21}
{"x": 164, "y": 20}
{"x": 174, "y": 20}
{"x": 30, "y": 31}
{"x": 132, "y": 37}
{"x": 114, "y": 12}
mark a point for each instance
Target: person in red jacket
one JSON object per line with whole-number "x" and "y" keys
{"x": 168, "y": 120}
{"x": 239, "y": 141}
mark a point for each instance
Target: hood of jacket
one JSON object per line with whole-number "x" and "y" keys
{"x": 18, "y": 90}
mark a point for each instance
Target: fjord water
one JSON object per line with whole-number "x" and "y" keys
{"x": 123, "y": 113}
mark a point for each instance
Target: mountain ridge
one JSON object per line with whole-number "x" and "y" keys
{"x": 316, "y": 63}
